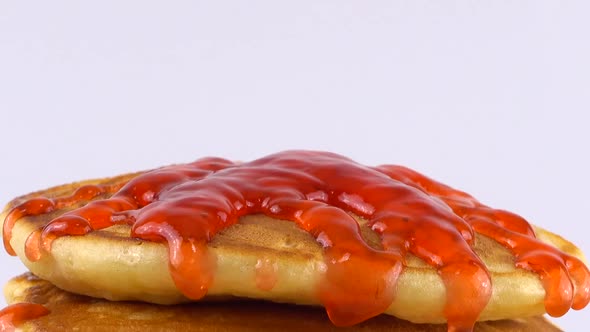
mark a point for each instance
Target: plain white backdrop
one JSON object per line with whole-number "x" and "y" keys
{"x": 490, "y": 97}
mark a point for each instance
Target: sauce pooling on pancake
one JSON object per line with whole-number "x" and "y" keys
{"x": 16, "y": 314}
{"x": 185, "y": 205}
{"x": 42, "y": 205}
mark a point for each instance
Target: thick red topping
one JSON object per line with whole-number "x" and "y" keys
{"x": 42, "y": 205}
{"x": 16, "y": 314}
{"x": 185, "y": 205}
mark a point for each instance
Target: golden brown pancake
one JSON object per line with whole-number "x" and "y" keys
{"x": 71, "y": 312}
{"x": 110, "y": 264}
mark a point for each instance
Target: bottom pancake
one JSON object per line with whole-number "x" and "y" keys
{"x": 72, "y": 312}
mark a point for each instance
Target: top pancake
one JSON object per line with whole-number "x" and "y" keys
{"x": 112, "y": 265}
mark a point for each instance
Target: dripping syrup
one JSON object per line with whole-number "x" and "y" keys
{"x": 185, "y": 205}
{"x": 14, "y": 315}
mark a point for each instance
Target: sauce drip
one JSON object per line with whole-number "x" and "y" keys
{"x": 42, "y": 205}
{"x": 266, "y": 271}
{"x": 185, "y": 205}
{"x": 16, "y": 314}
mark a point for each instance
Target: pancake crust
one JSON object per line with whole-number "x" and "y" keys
{"x": 111, "y": 265}
{"x": 71, "y": 312}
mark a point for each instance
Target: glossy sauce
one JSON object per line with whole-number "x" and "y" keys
{"x": 185, "y": 205}
{"x": 266, "y": 274}
{"x": 42, "y": 205}
{"x": 16, "y": 314}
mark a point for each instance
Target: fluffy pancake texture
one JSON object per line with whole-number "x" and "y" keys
{"x": 71, "y": 312}
{"x": 110, "y": 264}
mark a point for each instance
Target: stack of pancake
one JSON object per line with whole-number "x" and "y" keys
{"x": 266, "y": 272}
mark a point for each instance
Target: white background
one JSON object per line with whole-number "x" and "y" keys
{"x": 490, "y": 97}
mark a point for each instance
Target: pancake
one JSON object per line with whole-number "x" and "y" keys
{"x": 299, "y": 227}
{"x": 110, "y": 264}
{"x": 71, "y": 312}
